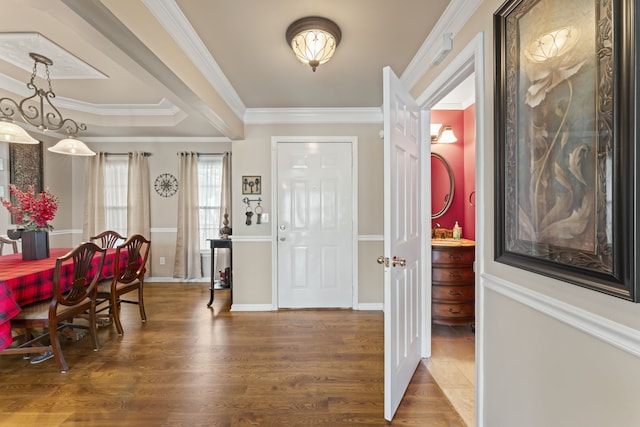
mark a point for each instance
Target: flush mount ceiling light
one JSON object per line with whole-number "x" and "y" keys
{"x": 313, "y": 39}
{"x": 38, "y": 110}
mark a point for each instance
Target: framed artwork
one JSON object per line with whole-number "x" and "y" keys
{"x": 25, "y": 166}
{"x": 565, "y": 141}
{"x": 251, "y": 185}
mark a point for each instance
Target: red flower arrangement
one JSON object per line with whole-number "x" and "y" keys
{"x": 34, "y": 210}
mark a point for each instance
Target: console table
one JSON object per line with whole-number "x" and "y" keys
{"x": 220, "y": 244}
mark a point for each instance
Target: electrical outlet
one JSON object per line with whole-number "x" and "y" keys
{"x": 162, "y": 260}
{"x": 265, "y": 218}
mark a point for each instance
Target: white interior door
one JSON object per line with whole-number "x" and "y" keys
{"x": 402, "y": 241}
{"x": 315, "y": 225}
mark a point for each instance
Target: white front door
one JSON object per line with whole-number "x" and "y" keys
{"x": 402, "y": 241}
{"x": 314, "y": 225}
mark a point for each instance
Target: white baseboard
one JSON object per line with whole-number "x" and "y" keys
{"x": 371, "y": 306}
{"x": 251, "y": 307}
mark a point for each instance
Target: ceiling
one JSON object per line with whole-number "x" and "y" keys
{"x": 205, "y": 68}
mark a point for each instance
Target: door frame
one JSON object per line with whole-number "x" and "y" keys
{"x": 353, "y": 141}
{"x": 471, "y": 59}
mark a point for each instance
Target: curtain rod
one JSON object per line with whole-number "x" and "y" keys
{"x": 144, "y": 153}
{"x": 204, "y": 154}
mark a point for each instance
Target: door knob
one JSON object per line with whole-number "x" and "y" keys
{"x": 399, "y": 261}
{"x": 383, "y": 260}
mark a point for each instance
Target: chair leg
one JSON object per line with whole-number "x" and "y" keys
{"x": 93, "y": 328}
{"x": 143, "y": 315}
{"x": 56, "y": 348}
{"x": 115, "y": 312}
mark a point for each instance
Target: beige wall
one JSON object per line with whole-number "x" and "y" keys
{"x": 549, "y": 352}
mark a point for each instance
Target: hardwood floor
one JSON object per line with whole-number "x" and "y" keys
{"x": 194, "y": 366}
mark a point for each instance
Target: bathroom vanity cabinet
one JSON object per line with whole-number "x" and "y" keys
{"x": 453, "y": 282}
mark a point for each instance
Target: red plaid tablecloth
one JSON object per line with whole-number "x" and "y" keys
{"x": 25, "y": 282}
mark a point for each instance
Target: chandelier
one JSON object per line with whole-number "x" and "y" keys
{"x": 313, "y": 39}
{"x": 38, "y": 110}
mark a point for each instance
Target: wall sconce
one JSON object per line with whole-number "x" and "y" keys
{"x": 442, "y": 134}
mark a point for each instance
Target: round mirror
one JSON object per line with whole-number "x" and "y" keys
{"x": 442, "y": 185}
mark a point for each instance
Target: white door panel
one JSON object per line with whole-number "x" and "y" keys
{"x": 402, "y": 241}
{"x": 314, "y": 225}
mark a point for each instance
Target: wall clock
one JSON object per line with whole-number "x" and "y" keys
{"x": 166, "y": 185}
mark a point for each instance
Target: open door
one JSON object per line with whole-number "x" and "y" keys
{"x": 402, "y": 241}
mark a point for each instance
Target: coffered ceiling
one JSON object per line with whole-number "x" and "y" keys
{"x": 171, "y": 69}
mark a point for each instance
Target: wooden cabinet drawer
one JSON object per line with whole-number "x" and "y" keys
{"x": 459, "y": 256}
{"x": 452, "y": 275}
{"x": 449, "y": 310}
{"x": 453, "y": 293}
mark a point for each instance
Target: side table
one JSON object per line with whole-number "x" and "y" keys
{"x": 221, "y": 244}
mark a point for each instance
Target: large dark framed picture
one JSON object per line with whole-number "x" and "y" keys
{"x": 25, "y": 167}
{"x": 565, "y": 152}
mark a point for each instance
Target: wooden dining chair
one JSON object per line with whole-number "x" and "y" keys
{"x": 127, "y": 278}
{"x": 108, "y": 239}
{"x": 5, "y": 241}
{"x": 76, "y": 299}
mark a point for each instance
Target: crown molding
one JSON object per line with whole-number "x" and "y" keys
{"x": 452, "y": 20}
{"x": 169, "y": 15}
{"x": 262, "y": 116}
{"x": 157, "y": 139}
{"x": 163, "y": 108}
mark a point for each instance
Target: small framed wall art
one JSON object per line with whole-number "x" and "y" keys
{"x": 251, "y": 184}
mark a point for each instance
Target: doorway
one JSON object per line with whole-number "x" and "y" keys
{"x": 456, "y": 351}
{"x": 315, "y": 248}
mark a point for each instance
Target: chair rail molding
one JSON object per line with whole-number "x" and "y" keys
{"x": 616, "y": 334}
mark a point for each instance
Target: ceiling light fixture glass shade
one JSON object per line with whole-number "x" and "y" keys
{"x": 11, "y": 132}
{"x": 72, "y": 147}
{"x": 37, "y": 109}
{"x": 552, "y": 44}
{"x": 314, "y": 40}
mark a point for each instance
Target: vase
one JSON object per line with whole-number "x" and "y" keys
{"x": 35, "y": 245}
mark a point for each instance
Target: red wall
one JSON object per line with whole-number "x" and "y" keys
{"x": 461, "y": 157}
{"x": 470, "y": 172}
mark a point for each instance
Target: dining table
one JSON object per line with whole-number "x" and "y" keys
{"x": 26, "y": 282}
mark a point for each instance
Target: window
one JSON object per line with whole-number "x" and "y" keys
{"x": 209, "y": 189}
{"x": 116, "y": 172}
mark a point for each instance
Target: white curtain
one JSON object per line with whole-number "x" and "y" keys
{"x": 223, "y": 256}
{"x": 115, "y": 193}
{"x": 94, "y": 221}
{"x": 138, "y": 195}
{"x": 187, "y": 262}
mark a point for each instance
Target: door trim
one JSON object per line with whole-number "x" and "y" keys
{"x": 471, "y": 59}
{"x": 353, "y": 141}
